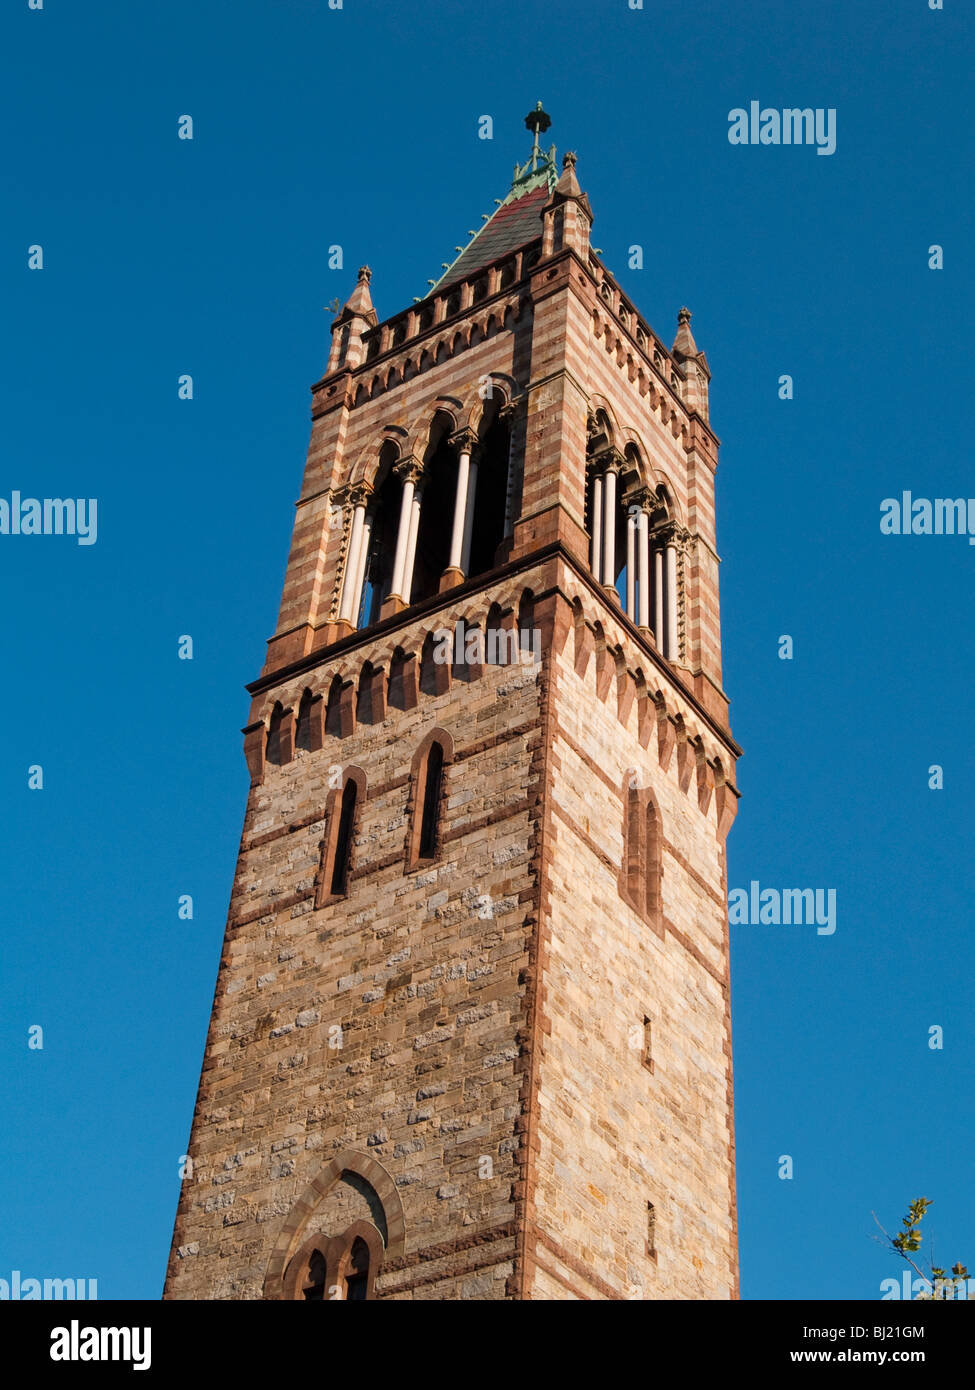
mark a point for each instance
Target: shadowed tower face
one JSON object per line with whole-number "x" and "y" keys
{"x": 471, "y": 1035}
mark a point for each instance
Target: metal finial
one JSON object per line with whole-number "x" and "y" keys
{"x": 537, "y": 121}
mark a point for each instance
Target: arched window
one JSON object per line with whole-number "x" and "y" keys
{"x": 341, "y": 816}
{"x": 343, "y": 844}
{"x": 402, "y": 691}
{"x": 333, "y": 713}
{"x": 432, "y": 783}
{"x": 273, "y": 753}
{"x": 314, "y": 1289}
{"x": 434, "y": 672}
{"x": 336, "y": 1269}
{"x": 383, "y": 528}
{"x": 303, "y": 727}
{"x": 651, "y": 878}
{"x": 633, "y": 855}
{"x": 606, "y": 479}
{"x": 640, "y": 871}
{"x": 351, "y": 1199}
{"x": 428, "y": 784}
{"x": 490, "y": 502}
{"x": 433, "y": 530}
{"x": 357, "y": 1272}
{"x": 529, "y": 639}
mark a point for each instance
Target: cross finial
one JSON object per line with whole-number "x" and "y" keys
{"x": 365, "y": 274}
{"x": 537, "y": 121}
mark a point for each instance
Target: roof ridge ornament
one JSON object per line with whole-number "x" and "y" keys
{"x": 538, "y": 122}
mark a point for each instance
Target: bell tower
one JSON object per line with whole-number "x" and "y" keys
{"x": 471, "y": 1034}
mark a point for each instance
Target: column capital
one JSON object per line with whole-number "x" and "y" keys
{"x": 640, "y": 499}
{"x": 672, "y": 533}
{"x": 409, "y": 469}
{"x": 358, "y": 494}
{"x": 608, "y": 460}
{"x": 464, "y": 440}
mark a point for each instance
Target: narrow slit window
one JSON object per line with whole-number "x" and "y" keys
{"x": 432, "y": 785}
{"x": 343, "y": 841}
{"x": 648, "y": 1043}
{"x": 653, "y": 860}
{"x": 634, "y": 847}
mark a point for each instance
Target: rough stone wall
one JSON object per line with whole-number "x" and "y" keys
{"x": 610, "y": 1135}
{"x": 422, "y": 973}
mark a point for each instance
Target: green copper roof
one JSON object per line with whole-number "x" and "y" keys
{"x": 518, "y": 218}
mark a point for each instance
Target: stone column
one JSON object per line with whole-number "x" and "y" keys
{"x": 402, "y": 580}
{"x": 631, "y": 571}
{"x": 352, "y": 563}
{"x": 609, "y": 528}
{"x": 364, "y": 545}
{"x": 658, "y": 595}
{"x": 509, "y": 491}
{"x": 411, "y": 545}
{"x": 460, "y": 509}
{"x": 465, "y": 556}
{"x": 670, "y": 646}
{"x": 643, "y": 567}
{"x": 596, "y": 549}
{"x": 402, "y": 537}
{"x": 456, "y": 571}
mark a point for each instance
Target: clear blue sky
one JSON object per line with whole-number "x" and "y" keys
{"x": 162, "y": 257}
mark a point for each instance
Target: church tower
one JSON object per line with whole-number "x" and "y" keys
{"x": 471, "y": 1033}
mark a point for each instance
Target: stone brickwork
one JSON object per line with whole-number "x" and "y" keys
{"x": 422, "y": 973}
{"x": 612, "y": 1135}
{"x": 506, "y": 1063}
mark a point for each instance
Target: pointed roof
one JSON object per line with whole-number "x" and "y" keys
{"x": 359, "y": 302}
{"x": 518, "y": 219}
{"x": 685, "y": 349}
{"x": 684, "y": 344}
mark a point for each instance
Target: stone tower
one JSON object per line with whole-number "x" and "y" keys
{"x": 471, "y": 1033}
